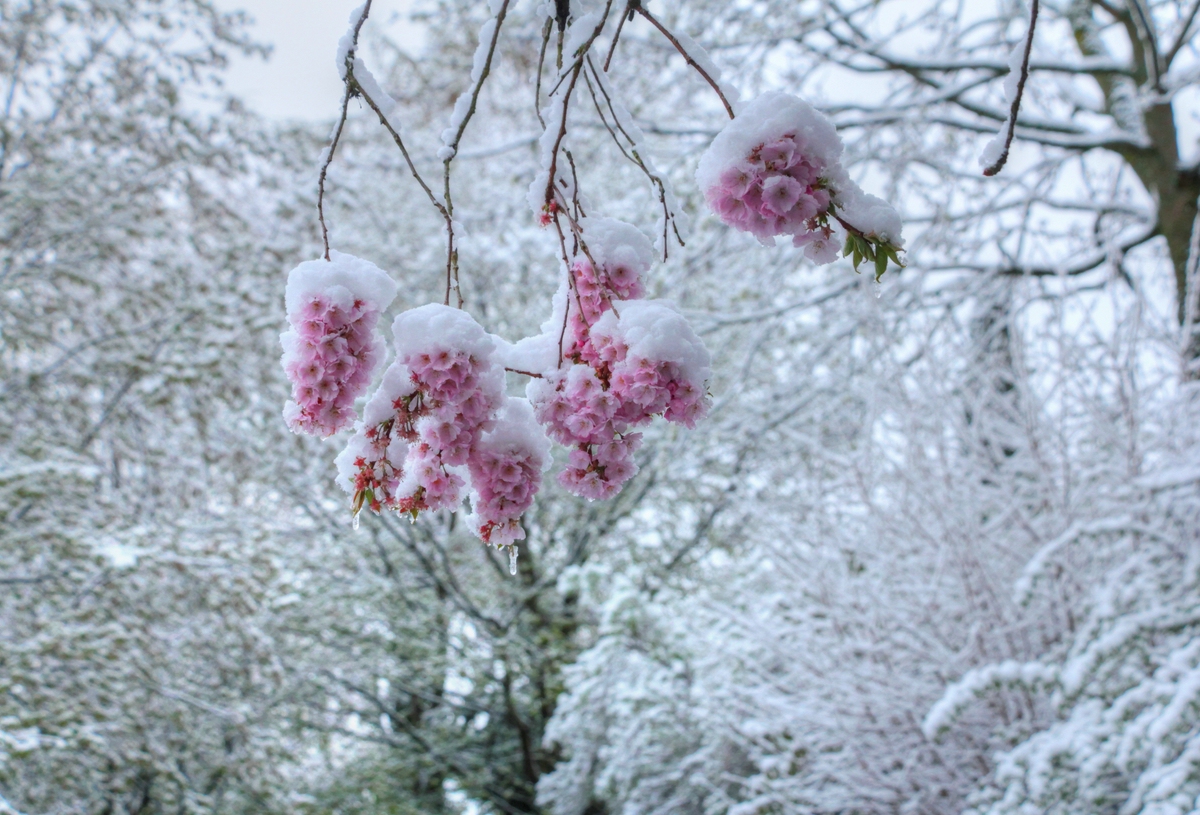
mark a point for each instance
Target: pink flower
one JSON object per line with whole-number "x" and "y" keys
{"x": 625, "y": 281}
{"x": 736, "y": 180}
{"x": 804, "y": 172}
{"x": 820, "y": 198}
{"x": 314, "y": 308}
{"x": 327, "y": 389}
{"x": 781, "y": 193}
{"x": 778, "y": 155}
{"x": 311, "y": 329}
{"x": 819, "y": 246}
{"x": 309, "y": 373}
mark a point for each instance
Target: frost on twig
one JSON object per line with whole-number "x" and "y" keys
{"x": 347, "y": 45}
{"x": 628, "y": 138}
{"x": 695, "y": 56}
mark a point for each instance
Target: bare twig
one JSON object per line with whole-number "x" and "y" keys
{"x": 341, "y": 124}
{"x": 478, "y": 87}
{"x": 1015, "y": 108}
{"x": 383, "y": 120}
{"x": 637, "y": 6}
{"x": 1146, "y": 31}
{"x": 632, "y": 155}
{"x": 627, "y": 14}
{"x": 452, "y": 150}
{"x": 574, "y": 78}
{"x": 1173, "y": 51}
{"x": 537, "y": 87}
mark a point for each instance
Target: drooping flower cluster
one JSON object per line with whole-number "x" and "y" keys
{"x": 776, "y": 190}
{"x": 330, "y": 351}
{"x": 436, "y": 400}
{"x": 776, "y": 170}
{"x": 506, "y": 470}
{"x": 440, "y": 418}
{"x": 626, "y": 361}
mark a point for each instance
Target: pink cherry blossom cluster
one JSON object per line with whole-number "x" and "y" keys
{"x": 595, "y": 292}
{"x": 439, "y": 418}
{"x": 777, "y": 189}
{"x": 776, "y": 169}
{"x": 329, "y": 356}
{"x": 331, "y": 350}
{"x": 440, "y": 421}
{"x": 506, "y": 471}
{"x": 604, "y": 390}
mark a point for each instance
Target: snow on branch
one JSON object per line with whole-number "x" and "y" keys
{"x": 439, "y": 429}
{"x": 976, "y": 682}
{"x": 995, "y": 154}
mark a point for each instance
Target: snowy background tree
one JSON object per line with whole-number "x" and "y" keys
{"x": 935, "y": 549}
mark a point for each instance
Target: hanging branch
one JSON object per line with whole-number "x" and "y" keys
{"x": 1145, "y": 31}
{"x": 374, "y": 105}
{"x": 537, "y": 87}
{"x": 1011, "y": 125}
{"x": 573, "y": 76}
{"x": 631, "y": 154}
{"x": 636, "y": 6}
{"x": 627, "y": 14}
{"x": 341, "y": 123}
{"x": 450, "y": 150}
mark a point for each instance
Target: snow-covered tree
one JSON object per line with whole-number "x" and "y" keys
{"x": 138, "y": 667}
{"x": 804, "y": 604}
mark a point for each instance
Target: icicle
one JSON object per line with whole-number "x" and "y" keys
{"x": 354, "y": 523}
{"x": 512, "y": 559}
{"x": 878, "y": 287}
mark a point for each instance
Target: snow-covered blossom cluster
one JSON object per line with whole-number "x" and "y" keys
{"x": 625, "y": 362}
{"x": 440, "y": 422}
{"x": 608, "y": 361}
{"x": 776, "y": 170}
{"x": 331, "y": 351}
{"x": 506, "y": 470}
{"x": 440, "y": 417}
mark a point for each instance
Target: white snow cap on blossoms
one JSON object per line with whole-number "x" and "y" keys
{"x": 776, "y": 169}
{"x": 331, "y": 349}
{"x": 611, "y": 242}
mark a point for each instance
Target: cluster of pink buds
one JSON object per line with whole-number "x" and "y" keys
{"x": 331, "y": 350}
{"x": 627, "y": 361}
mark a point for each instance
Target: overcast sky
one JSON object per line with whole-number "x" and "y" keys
{"x": 300, "y": 79}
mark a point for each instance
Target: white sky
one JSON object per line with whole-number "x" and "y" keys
{"x": 300, "y": 80}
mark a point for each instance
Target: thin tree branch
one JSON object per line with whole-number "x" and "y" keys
{"x": 999, "y": 163}
{"x": 341, "y": 124}
{"x": 637, "y": 6}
